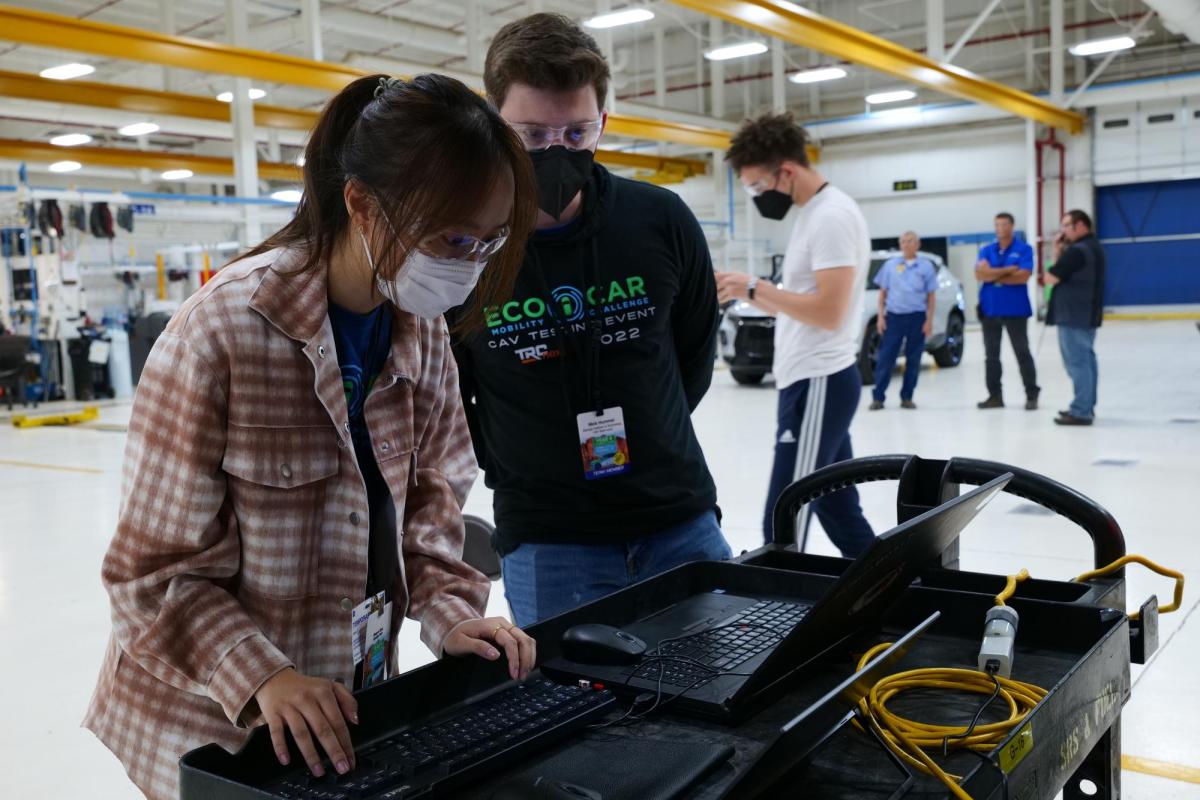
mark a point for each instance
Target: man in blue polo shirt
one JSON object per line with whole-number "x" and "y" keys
{"x": 907, "y": 287}
{"x": 1004, "y": 267}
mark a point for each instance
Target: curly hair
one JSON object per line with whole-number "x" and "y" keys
{"x": 768, "y": 141}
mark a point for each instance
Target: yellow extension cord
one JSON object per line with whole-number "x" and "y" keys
{"x": 909, "y": 739}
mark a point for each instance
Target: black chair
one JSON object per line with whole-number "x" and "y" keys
{"x": 14, "y": 366}
{"x": 477, "y": 547}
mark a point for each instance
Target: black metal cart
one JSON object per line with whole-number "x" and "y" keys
{"x": 1075, "y": 641}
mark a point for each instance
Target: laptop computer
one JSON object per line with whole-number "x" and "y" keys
{"x": 717, "y": 654}
{"x": 799, "y": 738}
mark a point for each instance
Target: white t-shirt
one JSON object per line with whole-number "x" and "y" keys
{"x": 830, "y": 232}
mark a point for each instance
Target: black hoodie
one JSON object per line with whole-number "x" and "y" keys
{"x": 524, "y": 378}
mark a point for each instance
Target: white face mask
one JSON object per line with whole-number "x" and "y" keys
{"x": 426, "y": 285}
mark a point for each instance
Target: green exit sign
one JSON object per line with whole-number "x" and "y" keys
{"x": 904, "y": 186}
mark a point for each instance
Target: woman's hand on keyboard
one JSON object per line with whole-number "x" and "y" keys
{"x": 478, "y": 635}
{"x": 310, "y": 707}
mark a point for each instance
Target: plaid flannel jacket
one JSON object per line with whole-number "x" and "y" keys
{"x": 242, "y": 540}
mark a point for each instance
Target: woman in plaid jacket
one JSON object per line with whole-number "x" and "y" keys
{"x": 298, "y": 445}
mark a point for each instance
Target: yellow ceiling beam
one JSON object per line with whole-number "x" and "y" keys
{"x": 19, "y": 150}
{"x": 135, "y": 44}
{"x": 806, "y": 28}
{"x": 686, "y": 167}
{"x": 146, "y": 101}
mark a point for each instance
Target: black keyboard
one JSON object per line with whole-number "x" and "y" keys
{"x": 430, "y": 759}
{"x": 722, "y": 648}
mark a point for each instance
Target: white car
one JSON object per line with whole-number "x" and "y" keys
{"x": 747, "y": 336}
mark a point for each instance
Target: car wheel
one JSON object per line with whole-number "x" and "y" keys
{"x": 951, "y": 352}
{"x": 747, "y": 377}
{"x": 868, "y": 356}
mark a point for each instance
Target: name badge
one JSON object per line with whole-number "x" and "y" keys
{"x": 602, "y": 443}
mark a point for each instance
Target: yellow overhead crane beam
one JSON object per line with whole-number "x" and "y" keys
{"x": 806, "y": 28}
{"x": 19, "y": 150}
{"x": 146, "y": 101}
{"x": 117, "y": 41}
{"x": 127, "y": 98}
{"x": 122, "y": 158}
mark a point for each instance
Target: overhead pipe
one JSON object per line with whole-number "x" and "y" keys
{"x": 1051, "y": 141}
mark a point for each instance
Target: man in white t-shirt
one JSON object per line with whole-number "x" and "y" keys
{"x": 816, "y": 329}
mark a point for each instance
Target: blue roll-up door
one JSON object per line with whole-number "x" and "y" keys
{"x": 1151, "y": 234}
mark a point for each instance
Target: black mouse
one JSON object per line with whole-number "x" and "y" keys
{"x": 527, "y": 787}
{"x": 601, "y": 644}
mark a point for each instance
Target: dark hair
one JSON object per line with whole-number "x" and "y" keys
{"x": 1077, "y": 216}
{"x": 545, "y": 51}
{"x": 1007, "y": 216}
{"x": 767, "y": 142}
{"x": 428, "y": 151}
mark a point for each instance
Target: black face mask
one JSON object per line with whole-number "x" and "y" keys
{"x": 560, "y": 174}
{"x": 773, "y": 204}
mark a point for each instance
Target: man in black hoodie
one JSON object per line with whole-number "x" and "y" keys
{"x": 579, "y": 390}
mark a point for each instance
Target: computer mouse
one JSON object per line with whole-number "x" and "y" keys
{"x": 542, "y": 788}
{"x": 601, "y": 644}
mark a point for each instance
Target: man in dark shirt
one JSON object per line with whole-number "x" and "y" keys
{"x": 579, "y": 392}
{"x": 1077, "y": 308}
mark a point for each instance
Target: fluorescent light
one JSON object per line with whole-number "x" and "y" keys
{"x": 177, "y": 174}
{"x": 818, "y": 75}
{"x": 64, "y": 72}
{"x": 879, "y": 98}
{"x": 70, "y": 139}
{"x": 287, "y": 195}
{"x": 138, "y": 129}
{"x": 626, "y": 16}
{"x": 1097, "y": 46}
{"x": 253, "y": 94}
{"x": 65, "y": 166}
{"x": 740, "y": 50}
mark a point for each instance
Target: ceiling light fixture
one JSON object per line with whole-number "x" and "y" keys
{"x": 138, "y": 129}
{"x": 65, "y": 166}
{"x": 286, "y": 195}
{"x": 740, "y": 50}
{"x": 626, "y": 16}
{"x": 818, "y": 75}
{"x": 64, "y": 72}
{"x": 879, "y": 98}
{"x": 177, "y": 174}
{"x": 1097, "y": 46}
{"x": 253, "y": 94}
{"x": 70, "y": 139}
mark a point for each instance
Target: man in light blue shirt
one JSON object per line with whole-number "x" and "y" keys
{"x": 907, "y": 288}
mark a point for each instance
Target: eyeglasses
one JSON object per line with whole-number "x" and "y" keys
{"x": 576, "y": 136}
{"x": 758, "y": 187}
{"x": 463, "y": 246}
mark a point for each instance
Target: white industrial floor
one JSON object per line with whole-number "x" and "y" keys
{"x": 59, "y": 498}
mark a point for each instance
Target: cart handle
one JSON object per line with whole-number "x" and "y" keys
{"x": 1108, "y": 542}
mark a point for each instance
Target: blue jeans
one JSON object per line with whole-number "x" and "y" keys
{"x": 1077, "y": 346}
{"x": 906, "y": 328}
{"x": 545, "y": 580}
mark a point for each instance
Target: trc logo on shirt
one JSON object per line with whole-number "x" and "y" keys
{"x": 540, "y": 352}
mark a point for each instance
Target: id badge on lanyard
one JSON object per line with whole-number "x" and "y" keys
{"x": 370, "y": 634}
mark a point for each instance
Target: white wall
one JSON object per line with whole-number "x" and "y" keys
{"x": 1131, "y": 149}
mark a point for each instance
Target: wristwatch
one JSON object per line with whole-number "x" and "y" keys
{"x": 750, "y": 284}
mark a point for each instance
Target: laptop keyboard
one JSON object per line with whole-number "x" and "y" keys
{"x": 435, "y": 757}
{"x": 722, "y": 648}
